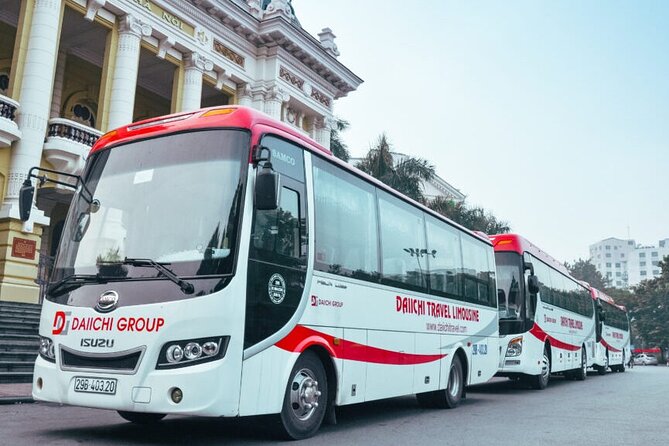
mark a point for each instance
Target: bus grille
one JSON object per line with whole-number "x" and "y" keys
{"x": 125, "y": 362}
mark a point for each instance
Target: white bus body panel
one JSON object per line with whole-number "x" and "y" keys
{"x": 566, "y": 332}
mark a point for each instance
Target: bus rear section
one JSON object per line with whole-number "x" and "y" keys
{"x": 219, "y": 263}
{"x": 612, "y": 349}
{"x": 546, "y": 317}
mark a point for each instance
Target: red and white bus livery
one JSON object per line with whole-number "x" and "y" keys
{"x": 220, "y": 263}
{"x": 546, "y": 317}
{"x": 612, "y": 334}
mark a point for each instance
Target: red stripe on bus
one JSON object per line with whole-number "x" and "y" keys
{"x": 540, "y": 334}
{"x": 609, "y": 347}
{"x": 302, "y": 337}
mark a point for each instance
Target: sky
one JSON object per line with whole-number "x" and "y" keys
{"x": 552, "y": 115}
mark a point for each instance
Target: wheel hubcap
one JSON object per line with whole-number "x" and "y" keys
{"x": 454, "y": 383}
{"x": 545, "y": 369}
{"x": 304, "y": 394}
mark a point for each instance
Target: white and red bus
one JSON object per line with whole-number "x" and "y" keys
{"x": 613, "y": 334}
{"x": 220, "y": 263}
{"x": 546, "y": 317}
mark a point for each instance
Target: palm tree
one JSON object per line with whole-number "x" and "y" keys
{"x": 475, "y": 218}
{"x": 404, "y": 175}
{"x": 337, "y": 145}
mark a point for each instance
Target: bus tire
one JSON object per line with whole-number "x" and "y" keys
{"x": 141, "y": 417}
{"x": 540, "y": 382}
{"x": 581, "y": 373}
{"x": 450, "y": 397}
{"x": 601, "y": 370}
{"x": 305, "y": 399}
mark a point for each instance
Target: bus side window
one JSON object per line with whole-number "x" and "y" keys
{"x": 278, "y": 231}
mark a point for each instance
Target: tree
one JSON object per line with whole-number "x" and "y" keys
{"x": 650, "y": 309}
{"x": 586, "y": 271}
{"x": 474, "y": 218}
{"x": 337, "y": 145}
{"x": 404, "y": 175}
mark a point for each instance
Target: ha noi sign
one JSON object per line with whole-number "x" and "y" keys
{"x": 166, "y": 16}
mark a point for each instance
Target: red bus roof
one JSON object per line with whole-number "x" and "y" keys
{"x": 601, "y": 295}
{"x": 519, "y": 244}
{"x": 235, "y": 116}
{"x": 232, "y": 116}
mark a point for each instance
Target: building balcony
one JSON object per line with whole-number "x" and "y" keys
{"x": 68, "y": 143}
{"x": 9, "y": 131}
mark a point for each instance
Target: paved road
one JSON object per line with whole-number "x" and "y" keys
{"x": 617, "y": 409}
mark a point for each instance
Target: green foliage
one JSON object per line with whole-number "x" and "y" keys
{"x": 585, "y": 270}
{"x": 405, "y": 175}
{"x": 337, "y": 144}
{"x": 648, "y": 306}
{"x": 474, "y": 218}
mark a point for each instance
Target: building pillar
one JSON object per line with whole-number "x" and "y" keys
{"x": 323, "y": 130}
{"x": 195, "y": 66}
{"x": 19, "y": 243}
{"x": 124, "y": 79}
{"x": 58, "y": 84}
{"x": 274, "y": 100}
{"x": 244, "y": 95}
{"x": 34, "y": 96}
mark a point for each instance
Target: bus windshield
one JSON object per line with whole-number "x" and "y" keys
{"x": 509, "y": 289}
{"x": 173, "y": 199}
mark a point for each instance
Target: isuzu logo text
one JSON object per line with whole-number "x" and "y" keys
{"x": 97, "y": 342}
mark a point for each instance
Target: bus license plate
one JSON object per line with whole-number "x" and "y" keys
{"x": 87, "y": 384}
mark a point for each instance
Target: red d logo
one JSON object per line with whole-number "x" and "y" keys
{"x": 60, "y": 324}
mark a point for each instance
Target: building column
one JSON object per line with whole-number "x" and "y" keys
{"x": 35, "y": 95}
{"x": 19, "y": 242}
{"x": 195, "y": 66}
{"x": 323, "y": 131}
{"x": 124, "y": 79}
{"x": 244, "y": 95}
{"x": 274, "y": 100}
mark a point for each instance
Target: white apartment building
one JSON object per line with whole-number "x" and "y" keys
{"x": 625, "y": 263}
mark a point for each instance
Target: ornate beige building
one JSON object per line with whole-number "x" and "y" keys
{"x": 72, "y": 69}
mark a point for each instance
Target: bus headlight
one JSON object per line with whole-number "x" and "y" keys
{"x": 192, "y": 351}
{"x": 47, "y": 349}
{"x": 515, "y": 347}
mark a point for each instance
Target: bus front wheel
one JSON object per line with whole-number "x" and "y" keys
{"x": 305, "y": 400}
{"x": 540, "y": 382}
{"x": 141, "y": 417}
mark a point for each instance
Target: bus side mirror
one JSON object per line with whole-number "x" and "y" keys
{"x": 267, "y": 188}
{"x": 26, "y": 195}
{"x": 602, "y": 316}
{"x": 533, "y": 284}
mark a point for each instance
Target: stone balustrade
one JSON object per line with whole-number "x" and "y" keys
{"x": 9, "y": 131}
{"x": 68, "y": 143}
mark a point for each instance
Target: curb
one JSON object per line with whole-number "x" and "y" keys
{"x": 16, "y": 400}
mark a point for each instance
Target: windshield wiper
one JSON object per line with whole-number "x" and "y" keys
{"x": 185, "y": 286}
{"x": 74, "y": 281}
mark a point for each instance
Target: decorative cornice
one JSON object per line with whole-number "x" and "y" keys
{"x": 290, "y": 77}
{"x": 92, "y": 8}
{"x": 198, "y": 61}
{"x": 320, "y": 97}
{"x": 226, "y": 52}
{"x": 130, "y": 24}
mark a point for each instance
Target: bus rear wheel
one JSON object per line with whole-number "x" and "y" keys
{"x": 450, "y": 397}
{"x": 141, "y": 417}
{"x": 582, "y": 373}
{"x": 602, "y": 369}
{"x": 305, "y": 400}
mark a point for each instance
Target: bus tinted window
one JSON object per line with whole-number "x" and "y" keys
{"x": 615, "y": 317}
{"x": 403, "y": 246}
{"x": 477, "y": 272}
{"x": 444, "y": 257}
{"x": 346, "y": 223}
{"x": 277, "y": 232}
